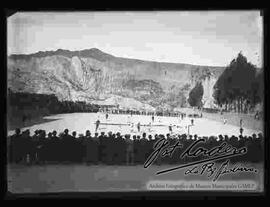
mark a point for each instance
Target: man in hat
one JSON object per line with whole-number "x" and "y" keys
{"x": 97, "y": 124}
{"x": 170, "y": 128}
{"x": 55, "y": 146}
{"x": 67, "y": 145}
{"x": 86, "y": 146}
{"x": 139, "y": 126}
{"x": 129, "y": 150}
{"x": 24, "y": 145}
{"x": 14, "y": 146}
{"x": 241, "y": 131}
{"x": 143, "y": 144}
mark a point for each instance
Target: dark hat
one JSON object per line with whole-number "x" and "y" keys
{"x": 18, "y": 131}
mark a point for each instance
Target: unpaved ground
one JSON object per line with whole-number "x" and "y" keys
{"x": 80, "y": 122}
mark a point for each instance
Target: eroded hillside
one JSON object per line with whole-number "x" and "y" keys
{"x": 92, "y": 75}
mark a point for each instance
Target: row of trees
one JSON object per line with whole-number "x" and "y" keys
{"x": 240, "y": 87}
{"x": 30, "y": 104}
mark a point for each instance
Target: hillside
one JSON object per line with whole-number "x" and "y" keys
{"x": 92, "y": 75}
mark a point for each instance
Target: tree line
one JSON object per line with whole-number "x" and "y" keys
{"x": 34, "y": 105}
{"x": 239, "y": 88}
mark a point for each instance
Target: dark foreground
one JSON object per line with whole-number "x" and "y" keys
{"x": 89, "y": 178}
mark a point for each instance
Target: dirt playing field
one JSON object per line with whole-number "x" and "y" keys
{"x": 80, "y": 122}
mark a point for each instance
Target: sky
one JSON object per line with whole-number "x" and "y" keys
{"x": 211, "y": 38}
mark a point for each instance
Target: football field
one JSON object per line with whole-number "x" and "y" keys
{"x": 127, "y": 124}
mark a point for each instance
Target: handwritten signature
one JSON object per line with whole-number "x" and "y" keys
{"x": 216, "y": 172}
{"x": 223, "y": 151}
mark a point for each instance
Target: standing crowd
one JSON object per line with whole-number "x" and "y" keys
{"x": 113, "y": 148}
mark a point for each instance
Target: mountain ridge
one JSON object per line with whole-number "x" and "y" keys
{"x": 92, "y": 52}
{"x": 91, "y": 74}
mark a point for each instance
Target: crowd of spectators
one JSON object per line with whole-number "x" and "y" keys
{"x": 114, "y": 148}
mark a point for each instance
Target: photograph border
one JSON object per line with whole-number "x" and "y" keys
{"x": 145, "y": 195}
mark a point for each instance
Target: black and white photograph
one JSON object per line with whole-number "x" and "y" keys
{"x": 135, "y": 101}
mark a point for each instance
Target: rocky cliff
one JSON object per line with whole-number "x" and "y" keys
{"x": 91, "y": 75}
